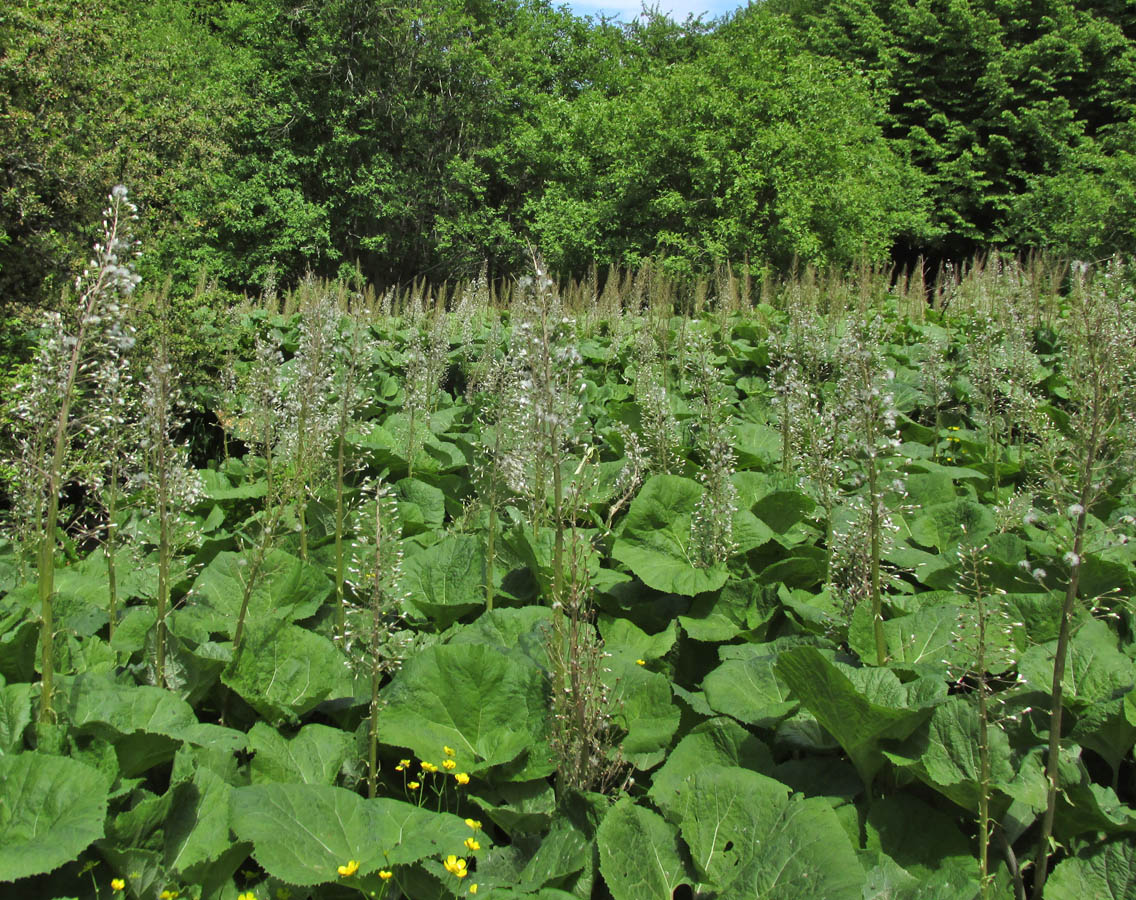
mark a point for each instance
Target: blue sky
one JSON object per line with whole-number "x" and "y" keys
{"x": 677, "y": 9}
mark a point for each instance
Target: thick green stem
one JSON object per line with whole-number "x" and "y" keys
{"x": 490, "y": 555}
{"x": 340, "y": 605}
{"x": 46, "y": 555}
{"x": 1055, "y": 716}
{"x": 874, "y": 528}
{"x": 376, "y": 626}
{"x": 163, "y": 563}
{"x": 984, "y": 827}
{"x": 1052, "y": 771}
{"x": 109, "y": 549}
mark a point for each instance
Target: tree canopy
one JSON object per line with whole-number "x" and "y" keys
{"x": 430, "y": 138}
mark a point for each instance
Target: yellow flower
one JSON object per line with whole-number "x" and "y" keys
{"x": 400, "y": 768}
{"x": 404, "y": 763}
{"x": 247, "y": 895}
{"x": 640, "y": 662}
{"x": 455, "y": 866}
{"x": 449, "y": 751}
{"x": 429, "y": 767}
{"x": 169, "y": 895}
{"x": 414, "y": 785}
{"x": 449, "y": 765}
{"x": 348, "y": 870}
{"x": 474, "y": 824}
{"x": 385, "y": 875}
{"x": 473, "y": 888}
{"x": 472, "y": 845}
{"x": 461, "y": 778}
{"x": 117, "y": 884}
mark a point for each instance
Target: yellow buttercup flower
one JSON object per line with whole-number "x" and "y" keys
{"x": 474, "y": 824}
{"x": 429, "y": 767}
{"x": 461, "y": 778}
{"x": 640, "y": 662}
{"x": 472, "y": 845}
{"x": 449, "y": 765}
{"x": 473, "y": 888}
{"x": 117, "y": 884}
{"x": 414, "y": 785}
{"x": 455, "y": 866}
{"x": 247, "y": 895}
{"x": 449, "y": 751}
{"x": 348, "y": 870}
{"x": 169, "y": 895}
{"x": 385, "y": 875}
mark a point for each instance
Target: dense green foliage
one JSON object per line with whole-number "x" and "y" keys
{"x": 786, "y": 598}
{"x": 427, "y": 138}
{"x": 1019, "y": 113}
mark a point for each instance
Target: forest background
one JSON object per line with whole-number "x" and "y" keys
{"x": 269, "y": 139}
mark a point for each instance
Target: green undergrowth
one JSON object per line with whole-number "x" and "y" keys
{"x": 541, "y": 603}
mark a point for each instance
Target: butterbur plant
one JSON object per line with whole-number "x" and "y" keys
{"x": 548, "y": 415}
{"x": 584, "y": 735}
{"x": 869, "y": 444}
{"x": 353, "y": 353}
{"x": 375, "y": 638}
{"x": 712, "y": 523}
{"x": 168, "y": 484}
{"x": 1087, "y": 450}
{"x": 51, "y": 410}
{"x": 309, "y": 413}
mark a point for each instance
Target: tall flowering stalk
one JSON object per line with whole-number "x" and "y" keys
{"x": 712, "y": 525}
{"x": 869, "y": 441}
{"x": 353, "y": 353}
{"x": 309, "y": 420}
{"x": 1083, "y": 448}
{"x": 62, "y": 365}
{"x": 168, "y": 483}
{"x": 375, "y": 638}
{"x": 548, "y": 410}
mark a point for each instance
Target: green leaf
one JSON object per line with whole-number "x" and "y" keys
{"x": 51, "y": 809}
{"x": 15, "y": 716}
{"x": 197, "y": 829}
{"x": 750, "y": 837}
{"x": 488, "y": 706}
{"x": 110, "y": 710}
{"x": 757, "y": 446}
{"x": 918, "y": 837}
{"x": 625, "y": 640}
{"x": 518, "y": 807}
{"x": 1100, "y": 871}
{"x": 643, "y": 706}
{"x": 284, "y": 671}
{"x": 750, "y": 691}
{"x": 639, "y": 853}
{"x": 948, "y": 753}
{"x": 716, "y": 742}
{"x": 946, "y": 524}
{"x": 656, "y": 544}
{"x": 447, "y": 579}
{"x": 783, "y": 509}
{"x": 302, "y": 833}
{"x": 1095, "y": 670}
{"x": 285, "y": 588}
{"x": 859, "y": 717}
{"x": 313, "y": 755}
{"x": 741, "y": 606}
